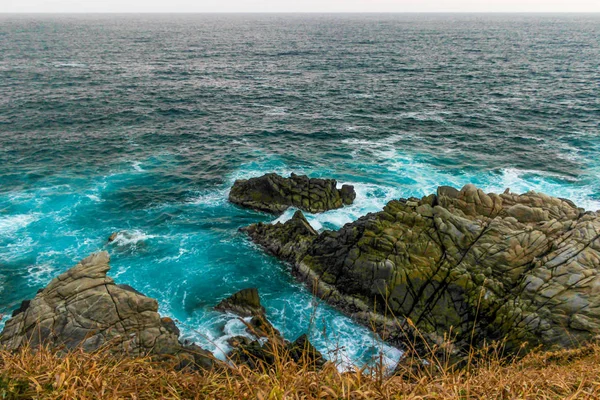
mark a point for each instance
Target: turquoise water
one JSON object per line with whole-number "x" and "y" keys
{"x": 141, "y": 124}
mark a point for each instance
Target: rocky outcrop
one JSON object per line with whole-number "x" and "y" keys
{"x": 463, "y": 264}
{"x": 275, "y": 194}
{"x": 285, "y": 241}
{"x": 302, "y": 350}
{"x": 268, "y": 341}
{"x": 245, "y": 303}
{"x": 84, "y": 307}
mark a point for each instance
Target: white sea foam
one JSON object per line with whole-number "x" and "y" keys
{"x": 522, "y": 181}
{"x": 211, "y": 198}
{"x": 40, "y": 274}
{"x": 3, "y": 319}
{"x": 215, "y": 340}
{"x": 119, "y": 271}
{"x": 137, "y": 165}
{"x": 339, "y": 338}
{"x": 436, "y": 116}
{"x": 182, "y": 251}
{"x": 12, "y": 223}
{"x": 419, "y": 178}
{"x": 133, "y": 237}
{"x": 275, "y": 111}
{"x": 352, "y": 128}
{"x": 70, "y": 65}
{"x": 369, "y": 198}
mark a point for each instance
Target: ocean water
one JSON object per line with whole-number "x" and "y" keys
{"x": 140, "y": 124}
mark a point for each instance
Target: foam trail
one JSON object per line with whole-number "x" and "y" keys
{"x": 131, "y": 238}
{"x": 12, "y": 223}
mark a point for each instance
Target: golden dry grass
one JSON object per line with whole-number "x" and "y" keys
{"x": 43, "y": 374}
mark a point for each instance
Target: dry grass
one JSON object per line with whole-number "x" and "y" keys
{"x": 43, "y": 374}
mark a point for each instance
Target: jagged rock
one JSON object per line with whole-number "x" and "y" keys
{"x": 302, "y": 350}
{"x": 275, "y": 194}
{"x": 255, "y": 352}
{"x": 475, "y": 266}
{"x": 84, "y": 307}
{"x": 238, "y": 341}
{"x": 245, "y": 303}
{"x": 284, "y": 240}
{"x": 268, "y": 342}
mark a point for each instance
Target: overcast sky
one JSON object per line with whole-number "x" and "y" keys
{"x": 299, "y": 5}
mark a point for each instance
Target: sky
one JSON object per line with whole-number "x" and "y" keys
{"x": 142, "y": 6}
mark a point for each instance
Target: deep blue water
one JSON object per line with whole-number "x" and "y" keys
{"x": 142, "y": 123}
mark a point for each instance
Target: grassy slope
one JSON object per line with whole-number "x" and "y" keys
{"x": 45, "y": 375}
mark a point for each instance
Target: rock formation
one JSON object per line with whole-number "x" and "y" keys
{"x": 275, "y": 194}
{"x": 472, "y": 266}
{"x": 83, "y": 307}
{"x": 268, "y": 341}
{"x": 245, "y": 303}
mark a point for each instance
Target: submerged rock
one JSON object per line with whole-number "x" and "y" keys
{"x": 462, "y": 264}
{"x": 275, "y": 194}
{"x": 84, "y": 307}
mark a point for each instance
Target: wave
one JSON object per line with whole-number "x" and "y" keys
{"x": 131, "y": 238}
{"x": 13, "y": 223}
{"x": 137, "y": 165}
{"x": 429, "y": 116}
{"x": 70, "y": 65}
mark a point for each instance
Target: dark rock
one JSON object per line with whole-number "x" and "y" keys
{"x": 84, "y": 308}
{"x": 254, "y": 354}
{"x": 239, "y": 341}
{"x": 285, "y": 241}
{"x": 261, "y": 327}
{"x": 170, "y": 325}
{"x": 302, "y": 350}
{"x": 275, "y": 194}
{"x": 269, "y": 341}
{"x": 467, "y": 265}
{"x": 129, "y": 288}
{"x": 22, "y": 308}
{"x": 348, "y": 194}
{"x": 245, "y": 303}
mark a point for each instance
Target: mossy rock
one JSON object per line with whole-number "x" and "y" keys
{"x": 462, "y": 263}
{"x": 273, "y": 193}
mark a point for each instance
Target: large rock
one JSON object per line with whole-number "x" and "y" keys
{"x": 245, "y": 303}
{"x": 275, "y": 194}
{"x": 463, "y": 264}
{"x": 84, "y": 307}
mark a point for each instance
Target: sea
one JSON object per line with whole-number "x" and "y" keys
{"x": 140, "y": 124}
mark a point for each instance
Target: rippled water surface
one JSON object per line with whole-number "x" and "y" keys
{"x": 142, "y": 123}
